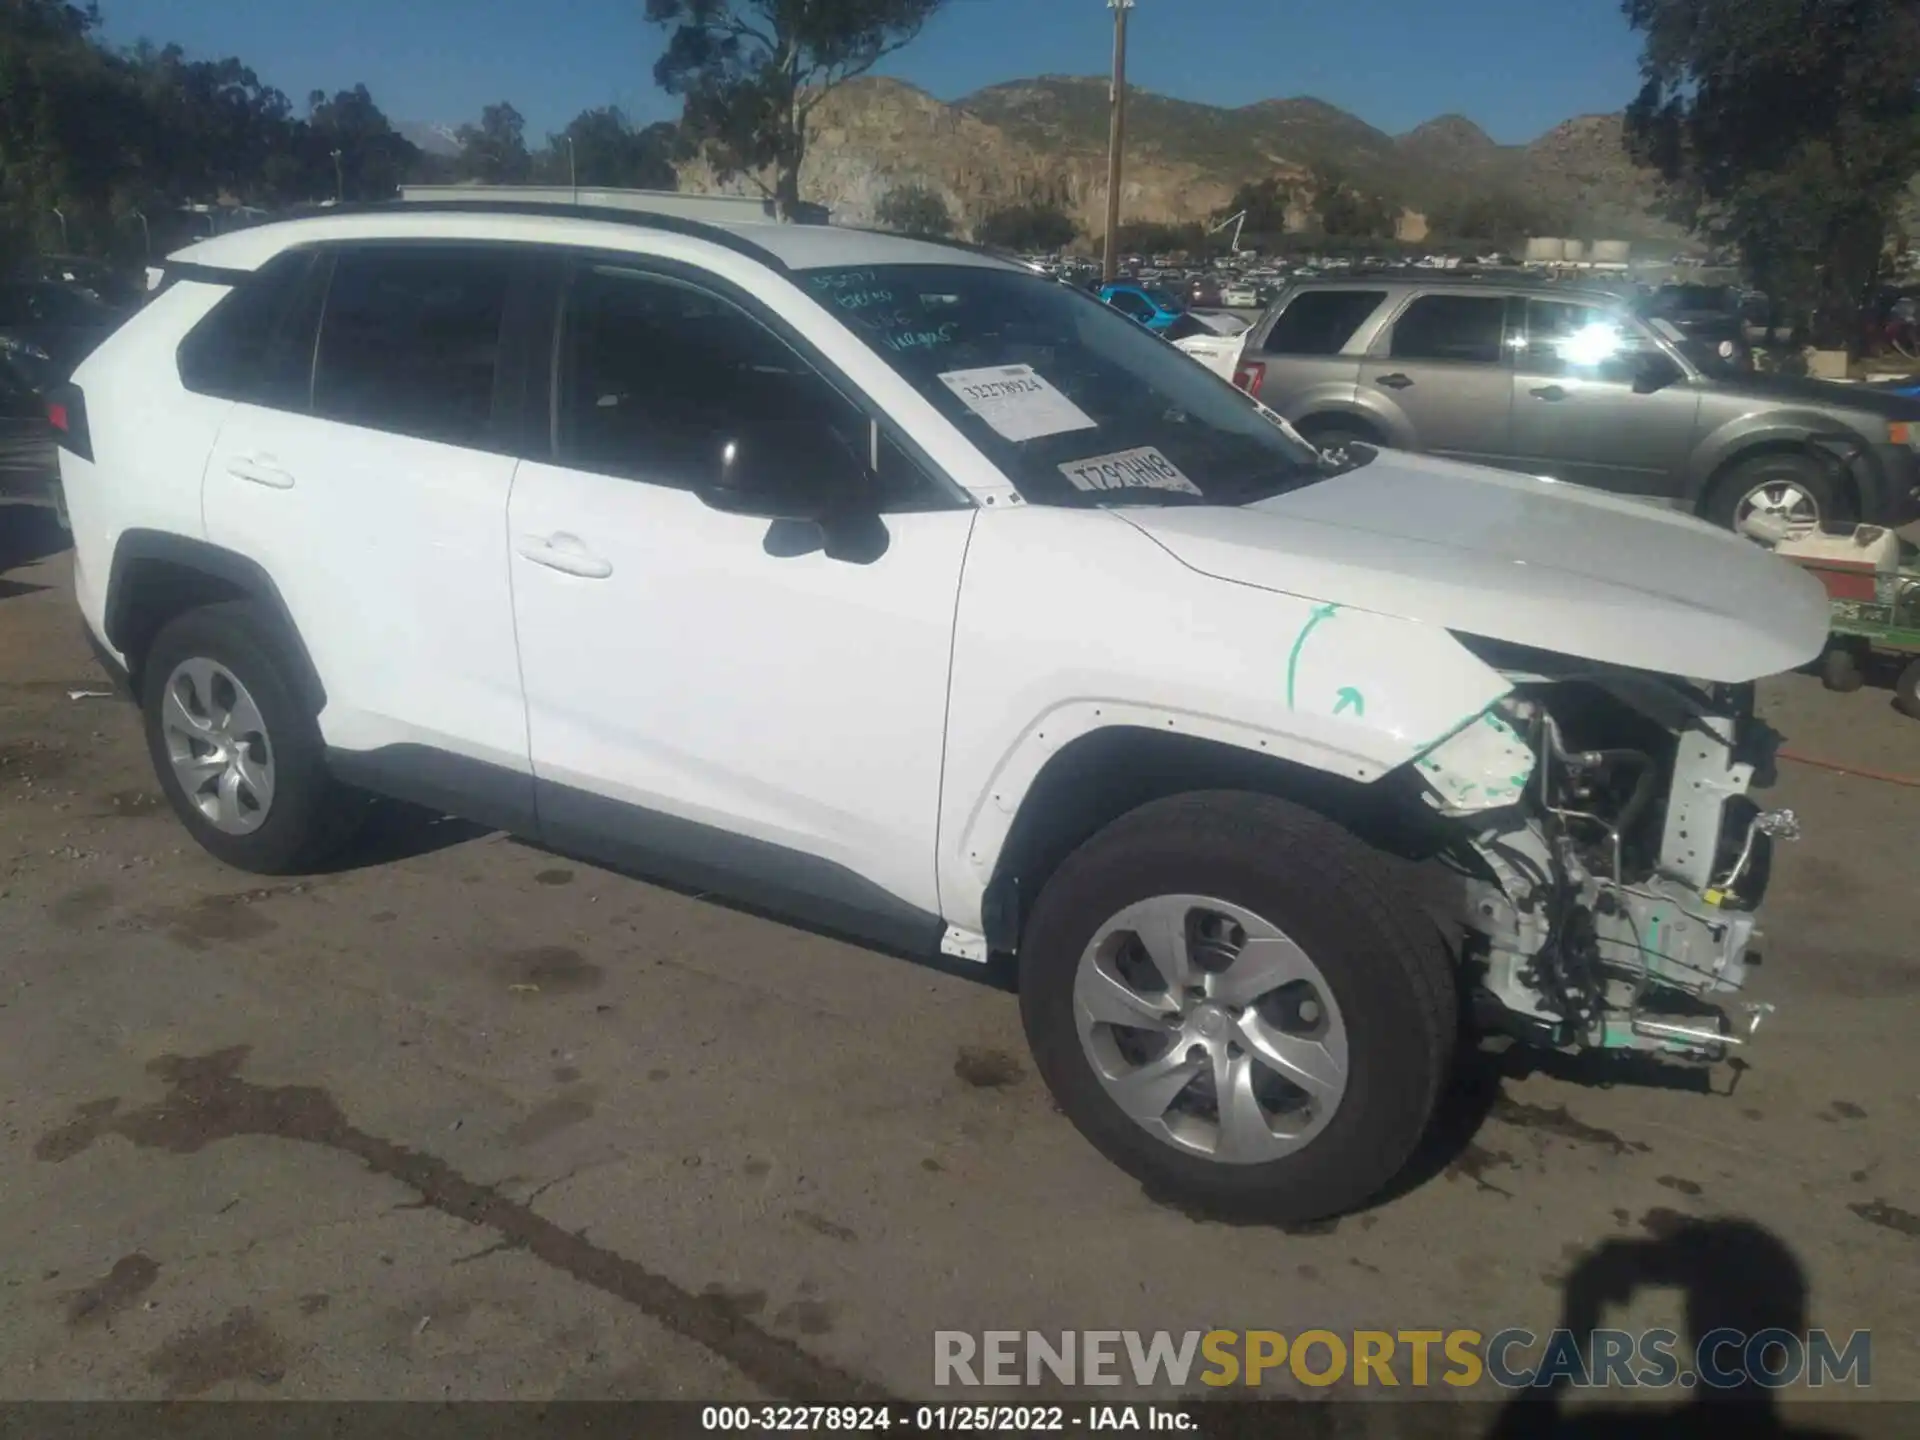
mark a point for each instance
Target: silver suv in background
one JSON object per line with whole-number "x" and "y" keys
{"x": 1567, "y": 382}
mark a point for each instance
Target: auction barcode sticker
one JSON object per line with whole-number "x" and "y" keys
{"x": 1142, "y": 469}
{"x": 1017, "y": 401}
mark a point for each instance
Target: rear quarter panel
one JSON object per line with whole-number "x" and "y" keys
{"x": 151, "y": 438}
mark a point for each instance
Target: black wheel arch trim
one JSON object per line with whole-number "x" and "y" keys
{"x": 122, "y": 619}
{"x": 1850, "y": 460}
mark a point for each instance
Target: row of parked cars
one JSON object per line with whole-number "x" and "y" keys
{"x": 53, "y": 312}
{"x": 1584, "y": 385}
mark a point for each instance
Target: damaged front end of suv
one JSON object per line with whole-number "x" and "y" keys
{"x": 1612, "y": 856}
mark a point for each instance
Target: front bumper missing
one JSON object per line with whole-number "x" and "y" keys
{"x": 1579, "y": 956}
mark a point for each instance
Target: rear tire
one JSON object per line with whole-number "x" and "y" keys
{"x": 237, "y": 755}
{"x": 1378, "y": 970}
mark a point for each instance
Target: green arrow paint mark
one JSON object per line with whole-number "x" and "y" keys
{"x": 1324, "y": 612}
{"x": 1351, "y": 699}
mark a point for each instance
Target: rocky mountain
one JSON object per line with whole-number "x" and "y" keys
{"x": 1046, "y": 139}
{"x": 432, "y": 139}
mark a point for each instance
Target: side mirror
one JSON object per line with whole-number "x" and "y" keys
{"x": 1652, "y": 372}
{"x": 783, "y": 470}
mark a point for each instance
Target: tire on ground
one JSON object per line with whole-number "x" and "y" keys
{"x": 1390, "y": 974}
{"x": 311, "y": 815}
{"x": 1790, "y": 466}
{"x": 1337, "y": 434}
{"x": 1840, "y": 670}
{"x": 1906, "y": 690}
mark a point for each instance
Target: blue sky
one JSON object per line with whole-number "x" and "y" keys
{"x": 1518, "y": 67}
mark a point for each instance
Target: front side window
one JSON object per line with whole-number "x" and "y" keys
{"x": 658, "y": 375}
{"x": 1586, "y": 342}
{"x": 1075, "y": 404}
{"x": 1321, "y": 322}
{"x": 411, "y": 340}
{"x": 1128, "y": 303}
{"x": 1465, "y": 328}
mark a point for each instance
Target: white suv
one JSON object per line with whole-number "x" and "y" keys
{"x": 905, "y": 592}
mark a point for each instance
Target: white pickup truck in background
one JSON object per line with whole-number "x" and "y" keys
{"x": 1219, "y": 353}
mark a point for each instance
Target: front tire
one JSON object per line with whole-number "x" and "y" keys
{"x": 1334, "y": 438}
{"x": 1781, "y": 489}
{"x": 239, "y": 758}
{"x": 1235, "y": 945}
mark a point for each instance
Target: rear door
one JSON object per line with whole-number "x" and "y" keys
{"x": 1307, "y": 359}
{"x": 368, "y": 471}
{"x": 1440, "y": 373}
{"x": 1588, "y": 406}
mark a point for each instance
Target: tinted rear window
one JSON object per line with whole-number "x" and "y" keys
{"x": 1451, "y": 327}
{"x": 411, "y": 340}
{"x": 1321, "y": 322}
{"x": 257, "y": 344}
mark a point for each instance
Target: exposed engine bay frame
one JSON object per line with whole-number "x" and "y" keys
{"x": 1612, "y": 856}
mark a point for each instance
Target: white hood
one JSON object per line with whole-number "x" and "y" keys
{"x": 1515, "y": 558}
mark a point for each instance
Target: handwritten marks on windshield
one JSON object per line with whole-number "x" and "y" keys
{"x": 864, "y": 298}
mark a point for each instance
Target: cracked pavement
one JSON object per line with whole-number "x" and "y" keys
{"x": 469, "y": 1120}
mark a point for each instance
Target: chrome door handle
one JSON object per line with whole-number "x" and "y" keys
{"x": 564, "y": 553}
{"x": 260, "y": 470}
{"x": 1548, "y": 392}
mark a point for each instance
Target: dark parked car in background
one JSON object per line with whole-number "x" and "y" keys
{"x": 1560, "y": 381}
{"x": 111, "y": 286}
{"x": 46, "y": 328}
{"x": 1204, "y": 293}
{"x": 52, "y": 326}
{"x": 1707, "y": 321}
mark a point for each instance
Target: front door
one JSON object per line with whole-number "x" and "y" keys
{"x": 712, "y": 698}
{"x": 1441, "y": 372}
{"x": 1595, "y": 403}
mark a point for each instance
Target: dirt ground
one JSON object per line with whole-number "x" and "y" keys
{"x": 464, "y": 1119}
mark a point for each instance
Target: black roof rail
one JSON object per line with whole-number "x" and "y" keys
{"x": 633, "y": 219}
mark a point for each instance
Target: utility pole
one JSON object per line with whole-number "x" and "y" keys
{"x": 1116, "y": 135}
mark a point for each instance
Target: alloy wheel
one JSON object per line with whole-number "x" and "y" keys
{"x": 1775, "y": 504}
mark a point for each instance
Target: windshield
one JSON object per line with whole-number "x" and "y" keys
{"x": 1075, "y": 403}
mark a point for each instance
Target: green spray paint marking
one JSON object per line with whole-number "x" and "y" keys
{"x": 1324, "y": 612}
{"x": 1351, "y": 699}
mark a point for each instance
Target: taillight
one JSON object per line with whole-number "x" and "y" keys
{"x": 67, "y": 414}
{"x": 1250, "y": 376}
